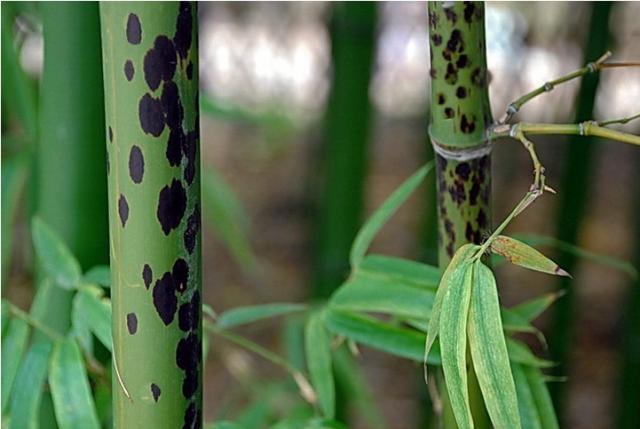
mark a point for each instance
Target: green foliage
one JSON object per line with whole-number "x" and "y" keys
{"x": 318, "y": 351}
{"x": 100, "y": 274}
{"x": 14, "y": 343}
{"x": 56, "y": 259}
{"x": 519, "y": 253}
{"x": 243, "y": 315}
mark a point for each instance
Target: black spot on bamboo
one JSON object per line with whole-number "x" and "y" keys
{"x": 164, "y": 298}
{"x": 433, "y": 73}
{"x": 174, "y": 146}
{"x": 478, "y": 77}
{"x": 134, "y": 29}
{"x": 132, "y": 323}
{"x": 171, "y": 105}
{"x": 188, "y": 357}
{"x": 155, "y": 391}
{"x": 456, "y": 190}
{"x": 441, "y": 98}
{"x": 123, "y": 209}
{"x": 466, "y": 126}
{"x": 159, "y": 62}
{"x": 450, "y": 15}
{"x": 190, "y": 147}
{"x": 452, "y": 74}
{"x": 110, "y": 134}
{"x": 469, "y": 11}
{"x": 151, "y": 115}
{"x": 172, "y": 202}
{"x": 461, "y": 92}
{"x": 482, "y": 219}
{"x": 128, "y": 70}
{"x": 136, "y": 164}
{"x": 448, "y": 112}
{"x": 463, "y": 169}
{"x": 474, "y": 192}
{"x": 462, "y": 62}
{"x": 180, "y": 273}
{"x": 184, "y": 27}
{"x": 469, "y": 233}
{"x": 192, "y": 229}
{"x": 433, "y": 20}
{"x": 147, "y": 275}
{"x": 189, "y": 313}
{"x": 436, "y": 39}
{"x": 190, "y": 417}
{"x": 190, "y": 70}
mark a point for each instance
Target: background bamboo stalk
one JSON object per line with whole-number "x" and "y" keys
{"x": 580, "y": 157}
{"x": 150, "y": 56}
{"x": 460, "y": 114}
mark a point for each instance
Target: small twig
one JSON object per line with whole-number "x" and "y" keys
{"x": 53, "y": 335}
{"x": 619, "y": 121}
{"x": 592, "y": 67}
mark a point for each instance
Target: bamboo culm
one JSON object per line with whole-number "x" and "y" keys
{"x": 150, "y": 55}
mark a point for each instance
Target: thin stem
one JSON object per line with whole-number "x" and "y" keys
{"x": 306, "y": 390}
{"x": 619, "y": 121}
{"x": 53, "y": 335}
{"x": 587, "y": 128}
{"x": 592, "y": 67}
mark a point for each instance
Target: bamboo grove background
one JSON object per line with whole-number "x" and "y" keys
{"x": 302, "y": 149}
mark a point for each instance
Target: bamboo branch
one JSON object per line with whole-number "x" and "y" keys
{"x": 592, "y": 67}
{"x": 36, "y": 324}
{"x": 619, "y": 121}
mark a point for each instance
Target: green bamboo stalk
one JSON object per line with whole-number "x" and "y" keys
{"x": 71, "y": 172}
{"x": 150, "y": 57}
{"x": 580, "y": 157}
{"x": 346, "y": 144}
{"x": 460, "y": 115}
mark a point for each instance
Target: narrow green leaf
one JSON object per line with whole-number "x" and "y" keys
{"x": 489, "y": 351}
{"x": 70, "y": 390}
{"x": 58, "y": 262}
{"x": 398, "y": 341}
{"x": 93, "y": 312}
{"x": 520, "y": 353}
{"x": 13, "y": 346}
{"x": 606, "y": 260}
{"x": 381, "y": 296}
{"x": 224, "y": 425}
{"x": 522, "y": 254}
{"x": 526, "y": 405}
{"x": 226, "y": 215}
{"x": 100, "y": 274}
{"x": 541, "y": 397}
{"x": 398, "y": 270}
{"x": 453, "y": 341}
{"x": 530, "y": 310}
{"x": 243, "y": 315}
{"x": 383, "y": 214}
{"x": 29, "y": 385}
{"x": 5, "y": 317}
{"x": 318, "y": 352}
{"x": 452, "y": 275}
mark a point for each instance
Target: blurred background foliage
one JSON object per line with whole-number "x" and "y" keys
{"x": 297, "y": 150}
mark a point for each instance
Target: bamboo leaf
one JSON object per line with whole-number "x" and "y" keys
{"x": 489, "y": 351}
{"x": 520, "y": 353}
{"x": 526, "y": 405}
{"x": 382, "y": 296}
{"x": 318, "y": 351}
{"x": 530, "y": 310}
{"x": 29, "y": 385}
{"x": 100, "y": 274}
{"x": 70, "y": 390}
{"x": 397, "y": 270}
{"x": 398, "y": 341}
{"x": 58, "y": 262}
{"x": 5, "y": 317}
{"x": 383, "y": 214}
{"x": 13, "y": 346}
{"x": 519, "y": 253}
{"x": 452, "y": 275}
{"x": 453, "y": 341}
{"x": 541, "y": 397}
{"x": 243, "y": 315}
{"x": 93, "y": 313}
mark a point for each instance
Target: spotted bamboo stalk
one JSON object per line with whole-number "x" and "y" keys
{"x": 150, "y": 55}
{"x": 460, "y": 114}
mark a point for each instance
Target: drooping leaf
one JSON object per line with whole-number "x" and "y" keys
{"x": 100, "y": 274}
{"x": 530, "y": 310}
{"x": 453, "y": 341}
{"x": 541, "y": 397}
{"x": 57, "y": 260}
{"x": 13, "y": 346}
{"x": 72, "y": 400}
{"x": 398, "y": 270}
{"x": 380, "y": 296}
{"x": 606, "y": 260}
{"x": 226, "y": 215}
{"x": 514, "y": 322}
{"x": 525, "y": 256}
{"x": 92, "y": 312}
{"x": 29, "y": 385}
{"x": 454, "y": 274}
{"x": 383, "y": 214}
{"x": 520, "y": 353}
{"x": 243, "y": 315}
{"x": 489, "y": 351}
{"x": 395, "y": 340}
{"x": 526, "y": 405}
{"x": 318, "y": 351}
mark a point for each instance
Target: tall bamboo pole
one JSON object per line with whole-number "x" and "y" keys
{"x": 460, "y": 114}
{"x": 150, "y": 55}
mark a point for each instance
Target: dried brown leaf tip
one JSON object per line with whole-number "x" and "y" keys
{"x": 519, "y": 253}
